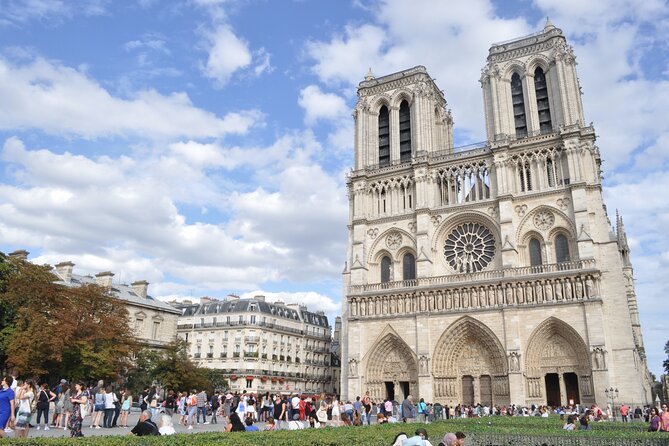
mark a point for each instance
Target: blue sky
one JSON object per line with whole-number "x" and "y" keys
{"x": 202, "y": 145}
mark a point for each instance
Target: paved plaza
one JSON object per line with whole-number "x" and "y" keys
{"x": 132, "y": 421}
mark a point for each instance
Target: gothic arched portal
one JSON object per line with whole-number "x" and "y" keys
{"x": 469, "y": 365}
{"x": 557, "y": 365}
{"x": 392, "y": 371}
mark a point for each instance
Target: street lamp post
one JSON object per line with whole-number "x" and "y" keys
{"x": 612, "y": 395}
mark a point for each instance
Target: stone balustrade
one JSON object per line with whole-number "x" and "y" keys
{"x": 569, "y": 286}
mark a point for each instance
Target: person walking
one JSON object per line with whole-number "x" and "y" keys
{"x": 367, "y": 406}
{"x": 408, "y": 410}
{"x": 79, "y": 401}
{"x": 7, "y": 397}
{"x": 215, "y": 402}
{"x": 44, "y": 398}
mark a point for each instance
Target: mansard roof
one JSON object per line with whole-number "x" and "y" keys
{"x": 123, "y": 292}
{"x": 232, "y": 306}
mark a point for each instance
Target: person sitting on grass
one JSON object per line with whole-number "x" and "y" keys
{"x": 584, "y": 424}
{"x": 456, "y": 439}
{"x": 235, "y": 424}
{"x": 270, "y": 426}
{"x": 420, "y": 439}
{"x": 570, "y": 425}
{"x": 399, "y": 438}
{"x": 145, "y": 426}
{"x": 381, "y": 419}
{"x": 166, "y": 425}
{"x": 250, "y": 427}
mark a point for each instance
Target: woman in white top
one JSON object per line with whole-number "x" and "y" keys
{"x": 166, "y": 426}
{"x": 25, "y": 396}
{"x": 110, "y": 399}
{"x": 336, "y": 411}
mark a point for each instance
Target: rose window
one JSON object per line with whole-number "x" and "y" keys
{"x": 469, "y": 248}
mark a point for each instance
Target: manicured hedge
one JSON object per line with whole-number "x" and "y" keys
{"x": 513, "y": 430}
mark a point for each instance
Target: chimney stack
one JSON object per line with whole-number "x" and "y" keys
{"x": 104, "y": 279}
{"x": 259, "y": 297}
{"x": 64, "y": 271}
{"x": 20, "y": 254}
{"x": 232, "y": 297}
{"x": 141, "y": 288}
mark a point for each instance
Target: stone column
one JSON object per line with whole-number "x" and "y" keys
{"x": 563, "y": 390}
{"x": 477, "y": 389}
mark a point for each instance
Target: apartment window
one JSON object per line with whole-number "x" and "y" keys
{"x": 253, "y": 319}
{"x": 156, "y": 330}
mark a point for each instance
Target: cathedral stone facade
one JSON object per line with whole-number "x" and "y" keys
{"x": 492, "y": 273}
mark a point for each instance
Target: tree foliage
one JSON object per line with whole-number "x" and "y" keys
{"x": 666, "y": 361}
{"x": 57, "y": 331}
{"x": 172, "y": 369}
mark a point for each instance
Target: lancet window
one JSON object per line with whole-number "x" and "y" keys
{"x": 543, "y": 106}
{"x": 518, "y": 101}
{"x": 408, "y": 267}
{"x": 405, "y": 132}
{"x": 541, "y": 169}
{"x": 462, "y": 184}
{"x": 384, "y": 136}
{"x": 535, "y": 252}
{"x": 561, "y": 249}
{"x": 386, "y": 269}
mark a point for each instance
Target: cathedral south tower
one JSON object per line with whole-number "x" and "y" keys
{"x": 487, "y": 274}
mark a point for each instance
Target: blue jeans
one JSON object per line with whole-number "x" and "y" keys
{"x": 203, "y": 411}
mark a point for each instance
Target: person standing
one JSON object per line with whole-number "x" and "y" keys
{"x": 126, "y": 404}
{"x": 367, "y": 406}
{"x": 215, "y": 402}
{"x": 79, "y": 400}
{"x": 408, "y": 410}
{"x": 655, "y": 420}
{"x": 624, "y": 411}
{"x": 25, "y": 397}
{"x": 44, "y": 398}
{"x": 201, "y": 406}
{"x": 109, "y": 408}
{"x": 664, "y": 416}
{"x": 7, "y": 397}
{"x": 192, "y": 408}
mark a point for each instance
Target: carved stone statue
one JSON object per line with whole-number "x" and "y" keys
{"x": 353, "y": 367}
{"x": 514, "y": 362}
{"x": 422, "y": 365}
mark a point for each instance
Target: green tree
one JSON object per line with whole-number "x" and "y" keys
{"x": 172, "y": 368}
{"x": 74, "y": 332}
{"x": 666, "y": 361}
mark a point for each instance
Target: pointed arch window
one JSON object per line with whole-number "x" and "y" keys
{"x": 408, "y": 267}
{"x": 405, "y": 132}
{"x": 384, "y": 136}
{"x": 543, "y": 107}
{"x": 535, "y": 253}
{"x": 386, "y": 265}
{"x": 561, "y": 249}
{"x": 518, "y": 101}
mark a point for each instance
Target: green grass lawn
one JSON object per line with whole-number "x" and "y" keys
{"x": 484, "y": 430}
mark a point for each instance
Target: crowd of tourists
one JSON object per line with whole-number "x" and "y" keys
{"x": 23, "y": 405}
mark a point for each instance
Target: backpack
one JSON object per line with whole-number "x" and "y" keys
{"x": 193, "y": 401}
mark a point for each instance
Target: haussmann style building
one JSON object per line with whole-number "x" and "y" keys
{"x": 488, "y": 274}
{"x": 262, "y": 346}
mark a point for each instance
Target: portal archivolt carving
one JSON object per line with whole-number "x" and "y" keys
{"x": 391, "y": 360}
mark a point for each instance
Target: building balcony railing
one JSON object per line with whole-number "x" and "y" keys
{"x": 235, "y": 354}
{"x": 224, "y": 355}
{"x": 250, "y": 354}
{"x": 252, "y": 339}
{"x": 271, "y": 326}
{"x": 210, "y": 355}
{"x": 498, "y": 274}
{"x": 197, "y": 355}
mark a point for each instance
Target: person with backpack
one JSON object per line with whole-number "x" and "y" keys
{"x": 44, "y": 398}
{"x": 215, "y": 402}
{"x": 192, "y": 408}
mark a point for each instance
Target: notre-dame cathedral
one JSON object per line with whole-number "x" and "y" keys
{"x": 489, "y": 274}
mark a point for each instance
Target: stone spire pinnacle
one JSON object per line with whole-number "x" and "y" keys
{"x": 549, "y": 25}
{"x": 369, "y": 75}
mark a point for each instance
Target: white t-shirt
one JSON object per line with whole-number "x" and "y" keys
{"x": 167, "y": 430}
{"x": 109, "y": 400}
{"x": 295, "y": 402}
{"x": 26, "y": 399}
